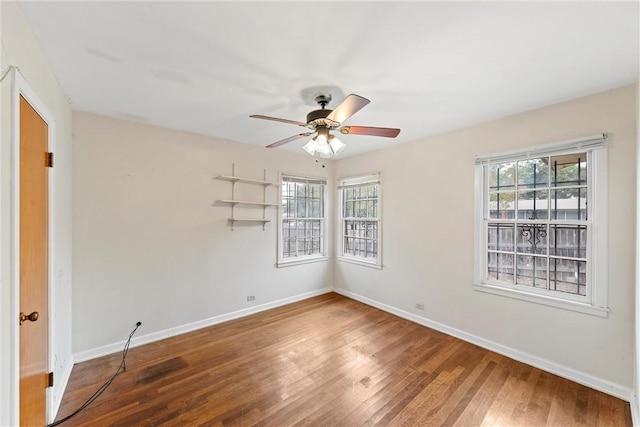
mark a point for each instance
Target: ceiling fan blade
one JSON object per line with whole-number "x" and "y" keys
{"x": 347, "y": 108}
{"x": 287, "y": 140}
{"x": 275, "y": 119}
{"x": 368, "y": 130}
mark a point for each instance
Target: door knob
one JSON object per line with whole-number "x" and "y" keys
{"x": 32, "y": 317}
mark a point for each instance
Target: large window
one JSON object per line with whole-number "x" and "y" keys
{"x": 541, "y": 222}
{"x": 360, "y": 219}
{"x": 302, "y": 231}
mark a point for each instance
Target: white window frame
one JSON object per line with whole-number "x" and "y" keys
{"x": 596, "y": 300}
{"x": 303, "y": 259}
{"x": 351, "y": 182}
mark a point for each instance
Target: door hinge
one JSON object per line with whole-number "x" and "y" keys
{"x": 49, "y": 159}
{"x": 50, "y": 379}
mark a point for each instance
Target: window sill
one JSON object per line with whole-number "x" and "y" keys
{"x": 302, "y": 260}
{"x": 360, "y": 262}
{"x": 543, "y": 299}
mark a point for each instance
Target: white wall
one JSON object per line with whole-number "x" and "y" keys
{"x": 19, "y": 48}
{"x": 428, "y": 243}
{"x": 151, "y": 244}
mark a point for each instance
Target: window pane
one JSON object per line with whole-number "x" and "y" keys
{"x": 301, "y": 244}
{"x": 533, "y": 204}
{"x": 373, "y": 232}
{"x": 303, "y": 190}
{"x": 568, "y": 241}
{"x": 532, "y": 238}
{"x": 348, "y": 210}
{"x": 500, "y": 267}
{"x": 568, "y": 276}
{"x": 362, "y": 209}
{"x": 500, "y": 237}
{"x": 569, "y": 203}
{"x": 569, "y": 169}
{"x": 361, "y": 238}
{"x": 502, "y": 176}
{"x": 286, "y": 208}
{"x": 372, "y": 248}
{"x": 501, "y": 205}
{"x": 533, "y": 173}
{"x": 531, "y": 271}
{"x": 315, "y": 209}
{"x": 348, "y": 245}
{"x": 300, "y": 207}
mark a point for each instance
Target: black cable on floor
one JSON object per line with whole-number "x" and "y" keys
{"x": 104, "y": 386}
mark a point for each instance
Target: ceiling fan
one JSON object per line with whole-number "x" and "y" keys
{"x": 323, "y": 121}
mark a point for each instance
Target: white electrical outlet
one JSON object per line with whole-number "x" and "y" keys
{"x": 420, "y": 306}
{"x": 251, "y": 297}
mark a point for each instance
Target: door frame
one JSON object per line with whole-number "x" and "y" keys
{"x": 21, "y": 88}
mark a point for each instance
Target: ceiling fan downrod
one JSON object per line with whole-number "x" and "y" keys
{"x": 323, "y": 100}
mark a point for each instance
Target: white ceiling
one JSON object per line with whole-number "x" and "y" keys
{"x": 427, "y": 67}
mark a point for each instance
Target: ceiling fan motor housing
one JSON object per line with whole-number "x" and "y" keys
{"x": 318, "y": 118}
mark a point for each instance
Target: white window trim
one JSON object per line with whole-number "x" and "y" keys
{"x": 353, "y": 181}
{"x": 305, "y": 259}
{"x": 596, "y": 302}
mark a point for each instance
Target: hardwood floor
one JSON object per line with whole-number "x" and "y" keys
{"x": 328, "y": 361}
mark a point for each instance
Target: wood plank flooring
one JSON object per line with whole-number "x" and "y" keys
{"x": 328, "y": 361}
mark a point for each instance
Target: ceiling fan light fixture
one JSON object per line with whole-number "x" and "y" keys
{"x": 336, "y": 145}
{"x": 321, "y": 140}
{"x": 318, "y": 146}
{"x": 311, "y": 146}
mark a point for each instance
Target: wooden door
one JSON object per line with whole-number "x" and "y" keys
{"x": 34, "y": 266}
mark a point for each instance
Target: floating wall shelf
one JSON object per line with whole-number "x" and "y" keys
{"x": 244, "y": 202}
{"x": 246, "y": 180}
{"x": 233, "y": 201}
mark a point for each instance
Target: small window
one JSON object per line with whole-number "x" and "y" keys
{"x": 541, "y": 225}
{"x": 302, "y": 220}
{"x": 360, "y": 219}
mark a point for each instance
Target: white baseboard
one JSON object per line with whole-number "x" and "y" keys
{"x": 61, "y": 380}
{"x": 635, "y": 410}
{"x": 588, "y": 380}
{"x": 178, "y": 330}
